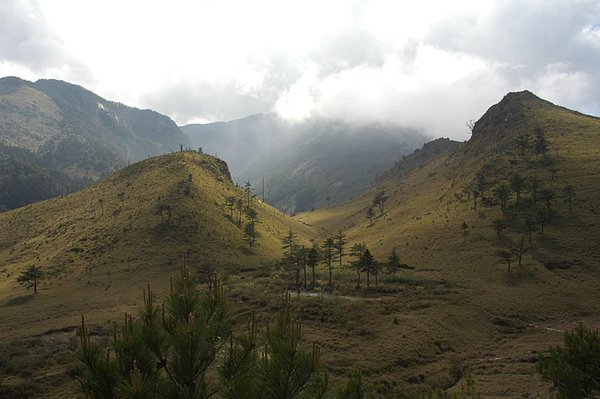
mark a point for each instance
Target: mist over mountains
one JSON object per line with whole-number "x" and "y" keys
{"x": 308, "y": 164}
{"x": 56, "y": 137}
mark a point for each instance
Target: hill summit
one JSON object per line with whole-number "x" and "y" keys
{"x": 504, "y": 227}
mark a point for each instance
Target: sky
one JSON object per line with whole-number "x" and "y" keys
{"x": 430, "y": 65}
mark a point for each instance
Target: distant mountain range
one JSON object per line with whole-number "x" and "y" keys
{"x": 307, "y": 164}
{"x": 56, "y": 137}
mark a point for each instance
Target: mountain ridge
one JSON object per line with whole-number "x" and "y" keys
{"x": 305, "y": 164}
{"x": 73, "y": 135}
{"x": 447, "y": 219}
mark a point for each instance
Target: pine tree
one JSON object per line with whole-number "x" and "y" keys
{"x": 370, "y": 214}
{"x": 288, "y": 242}
{"x": 169, "y": 351}
{"x": 166, "y": 351}
{"x": 393, "y": 263}
{"x": 328, "y": 248}
{"x": 368, "y": 264}
{"x": 358, "y": 251}
{"x": 340, "y": 244}
{"x": 230, "y": 202}
{"x": 502, "y": 192}
{"x": 30, "y": 278}
{"x": 575, "y": 368}
{"x": 517, "y": 184}
{"x": 248, "y": 191}
{"x": 569, "y": 194}
{"x": 541, "y": 144}
{"x": 380, "y": 199}
{"x": 282, "y": 366}
{"x": 507, "y": 256}
{"x": 312, "y": 260}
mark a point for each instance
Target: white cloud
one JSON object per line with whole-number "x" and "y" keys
{"x": 430, "y": 64}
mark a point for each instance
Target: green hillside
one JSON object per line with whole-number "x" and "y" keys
{"x": 66, "y": 137}
{"x": 99, "y": 247}
{"x": 459, "y": 300}
{"x": 450, "y": 310}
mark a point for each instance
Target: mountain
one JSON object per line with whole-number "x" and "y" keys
{"x": 100, "y": 246}
{"x": 307, "y": 164}
{"x": 459, "y": 303}
{"x": 56, "y": 137}
{"x": 449, "y": 310}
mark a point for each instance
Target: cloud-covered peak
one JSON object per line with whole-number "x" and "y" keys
{"x": 430, "y": 65}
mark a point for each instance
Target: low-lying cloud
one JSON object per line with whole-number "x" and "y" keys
{"x": 431, "y": 65}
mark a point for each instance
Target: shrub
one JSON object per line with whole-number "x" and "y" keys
{"x": 575, "y": 368}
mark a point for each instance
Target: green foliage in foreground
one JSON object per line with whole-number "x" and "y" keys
{"x": 186, "y": 349}
{"x": 575, "y": 368}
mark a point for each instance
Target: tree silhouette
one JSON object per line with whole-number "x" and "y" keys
{"x": 328, "y": 248}
{"x": 506, "y": 256}
{"x": 517, "y": 184}
{"x": 368, "y": 264}
{"x": 547, "y": 195}
{"x": 230, "y": 202}
{"x": 529, "y": 226}
{"x": 30, "y": 278}
{"x": 312, "y": 260}
{"x": 569, "y": 194}
{"x": 340, "y": 244}
{"x": 357, "y": 251}
{"x": 520, "y": 249}
{"x": 502, "y": 192}
{"x": 250, "y": 234}
{"x": 247, "y": 190}
{"x": 534, "y": 186}
{"x": 541, "y": 144}
{"x": 523, "y": 144}
{"x": 380, "y": 199}
{"x": 482, "y": 182}
{"x": 240, "y": 208}
{"x": 543, "y": 217}
{"x": 293, "y": 256}
{"x": 393, "y": 263}
{"x": 301, "y": 254}
{"x": 498, "y": 224}
{"x": 288, "y": 242}
{"x": 370, "y": 214}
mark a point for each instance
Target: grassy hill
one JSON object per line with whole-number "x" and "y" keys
{"x": 453, "y": 308}
{"x": 66, "y": 137}
{"x": 100, "y": 246}
{"x": 459, "y": 300}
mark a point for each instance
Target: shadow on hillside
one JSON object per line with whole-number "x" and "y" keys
{"x": 19, "y": 300}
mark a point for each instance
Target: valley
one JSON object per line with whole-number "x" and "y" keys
{"x": 453, "y": 309}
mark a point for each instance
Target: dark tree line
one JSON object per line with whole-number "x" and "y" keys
{"x": 299, "y": 260}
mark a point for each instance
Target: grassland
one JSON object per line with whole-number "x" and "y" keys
{"x": 494, "y": 320}
{"x": 455, "y": 311}
{"x": 100, "y": 246}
